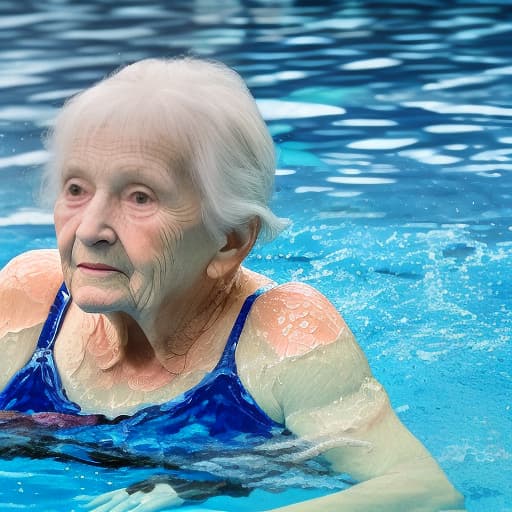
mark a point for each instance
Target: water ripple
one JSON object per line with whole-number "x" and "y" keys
{"x": 498, "y": 155}
{"x": 460, "y": 81}
{"x": 272, "y": 109}
{"x": 378, "y": 63}
{"x": 392, "y": 123}
{"x": 31, "y": 158}
{"x": 430, "y": 157}
{"x": 453, "y": 128}
{"x": 379, "y": 144}
{"x": 111, "y": 34}
{"x": 27, "y": 216}
{"x": 367, "y": 123}
{"x": 360, "y": 180}
{"x": 477, "y": 33}
{"x": 448, "y": 108}
{"x": 341, "y": 23}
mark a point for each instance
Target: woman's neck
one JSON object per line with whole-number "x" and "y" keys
{"x": 180, "y": 324}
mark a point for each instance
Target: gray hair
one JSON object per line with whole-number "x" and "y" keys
{"x": 204, "y": 110}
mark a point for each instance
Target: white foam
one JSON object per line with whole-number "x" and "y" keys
{"x": 284, "y": 172}
{"x": 384, "y": 62}
{"x": 485, "y": 453}
{"x": 276, "y": 109}
{"x": 505, "y": 140}
{"x": 430, "y": 356}
{"x": 382, "y": 143}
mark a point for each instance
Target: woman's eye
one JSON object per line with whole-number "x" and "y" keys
{"x": 74, "y": 189}
{"x": 141, "y": 198}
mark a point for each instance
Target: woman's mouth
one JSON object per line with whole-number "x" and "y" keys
{"x": 97, "y": 269}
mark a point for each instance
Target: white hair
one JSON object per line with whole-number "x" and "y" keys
{"x": 204, "y": 111}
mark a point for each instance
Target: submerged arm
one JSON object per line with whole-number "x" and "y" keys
{"x": 395, "y": 472}
{"x": 322, "y": 388}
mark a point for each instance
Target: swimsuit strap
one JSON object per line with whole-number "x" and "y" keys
{"x": 54, "y": 320}
{"x": 227, "y": 361}
{"x": 63, "y": 299}
{"x": 37, "y": 386}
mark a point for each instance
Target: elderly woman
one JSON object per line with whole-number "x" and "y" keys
{"x": 161, "y": 176}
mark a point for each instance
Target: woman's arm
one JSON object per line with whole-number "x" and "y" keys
{"x": 367, "y": 441}
{"x": 321, "y": 386}
{"x": 28, "y": 284}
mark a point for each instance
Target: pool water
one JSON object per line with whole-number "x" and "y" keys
{"x": 392, "y": 123}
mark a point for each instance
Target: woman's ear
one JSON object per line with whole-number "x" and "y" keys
{"x": 237, "y": 247}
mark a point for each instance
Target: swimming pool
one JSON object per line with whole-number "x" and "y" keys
{"x": 392, "y": 123}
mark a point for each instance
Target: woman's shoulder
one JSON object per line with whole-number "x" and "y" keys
{"x": 28, "y": 284}
{"x": 31, "y": 269}
{"x": 294, "y": 318}
{"x": 285, "y": 325}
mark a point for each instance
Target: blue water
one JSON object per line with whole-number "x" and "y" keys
{"x": 392, "y": 122}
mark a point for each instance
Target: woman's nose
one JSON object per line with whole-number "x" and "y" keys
{"x": 97, "y": 222}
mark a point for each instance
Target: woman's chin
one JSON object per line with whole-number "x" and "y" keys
{"x": 94, "y": 299}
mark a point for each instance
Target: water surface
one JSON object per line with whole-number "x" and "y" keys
{"x": 392, "y": 124}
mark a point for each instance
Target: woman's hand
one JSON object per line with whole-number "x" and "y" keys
{"x": 161, "y": 496}
{"x": 160, "y": 492}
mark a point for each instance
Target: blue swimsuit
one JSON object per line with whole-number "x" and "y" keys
{"x": 213, "y": 431}
{"x": 219, "y": 405}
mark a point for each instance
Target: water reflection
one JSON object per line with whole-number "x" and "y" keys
{"x": 421, "y": 92}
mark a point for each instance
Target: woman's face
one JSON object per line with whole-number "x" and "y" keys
{"x": 129, "y": 228}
